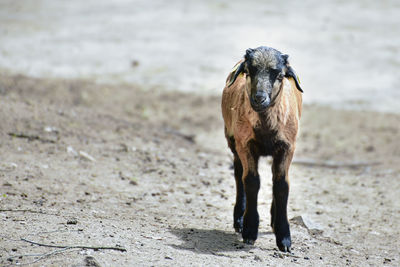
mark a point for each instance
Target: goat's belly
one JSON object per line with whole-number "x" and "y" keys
{"x": 268, "y": 143}
{"x": 263, "y": 148}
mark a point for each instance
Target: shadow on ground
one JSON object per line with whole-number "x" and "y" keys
{"x": 206, "y": 241}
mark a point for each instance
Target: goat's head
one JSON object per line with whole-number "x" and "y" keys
{"x": 264, "y": 68}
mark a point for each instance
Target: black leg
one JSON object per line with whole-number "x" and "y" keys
{"x": 251, "y": 218}
{"x": 240, "y": 204}
{"x": 247, "y": 186}
{"x": 279, "y": 221}
{"x": 240, "y": 196}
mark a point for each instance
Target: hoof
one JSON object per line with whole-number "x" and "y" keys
{"x": 284, "y": 249}
{"x": 238, "y": 225}
{"x": 285, "y": 245}
{"x": 250, "y": 228}
{"x": 248, "y": 241}
{"x": 249, "y": 235}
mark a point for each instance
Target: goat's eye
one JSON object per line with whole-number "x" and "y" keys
{"x": 280, "y": 76}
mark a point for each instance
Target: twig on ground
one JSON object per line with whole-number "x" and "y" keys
{"x": 334, "y": 164}
{"x": 31, "y": 137}
{"x": 78, "y": 246}
{"x": 219, "y": 254}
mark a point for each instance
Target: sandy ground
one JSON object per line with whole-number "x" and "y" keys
{"x": 111, "y": 133}
{"x": 149, "y": 171}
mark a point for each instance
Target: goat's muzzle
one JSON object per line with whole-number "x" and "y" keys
{"x": 260, "y": 101}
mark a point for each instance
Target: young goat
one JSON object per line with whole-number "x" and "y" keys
{"x": 261, "y": 107}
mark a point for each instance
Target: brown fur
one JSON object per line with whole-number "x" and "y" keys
{"x": 240, "y": 118}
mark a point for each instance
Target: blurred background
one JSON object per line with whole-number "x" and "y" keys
{"x": 345, "y": 52}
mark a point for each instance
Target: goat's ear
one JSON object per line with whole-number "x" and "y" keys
{"x": 249, "y": 52}
{"x": 236, "y": 71}
{"x": 291, "y": 73}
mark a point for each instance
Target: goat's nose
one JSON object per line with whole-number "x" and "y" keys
{"x": 260, "y": 97}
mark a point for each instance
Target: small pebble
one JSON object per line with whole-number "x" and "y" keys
{"x": 257, "y": 258}
{"x": 72, "y": 221}
{"x": 86, "y": 156}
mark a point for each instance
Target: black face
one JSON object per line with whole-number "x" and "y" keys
{"x": 265, "y": 69}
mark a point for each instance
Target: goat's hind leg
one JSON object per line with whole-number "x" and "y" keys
{"x": 240, "y": 204}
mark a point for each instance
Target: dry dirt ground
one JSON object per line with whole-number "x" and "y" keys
{"x": 149, "y": 171}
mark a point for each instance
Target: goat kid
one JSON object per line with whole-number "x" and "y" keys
{"x": 261, "y": 107}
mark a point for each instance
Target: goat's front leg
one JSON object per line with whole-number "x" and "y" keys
{"x": 279, "y": 221}
{"x": 251, "y": 182}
